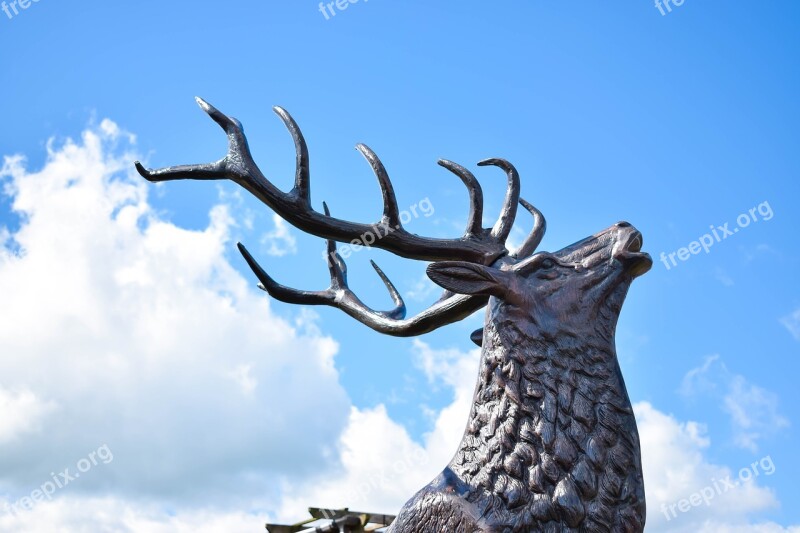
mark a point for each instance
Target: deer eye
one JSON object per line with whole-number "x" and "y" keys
{"x": 547, "y": 264}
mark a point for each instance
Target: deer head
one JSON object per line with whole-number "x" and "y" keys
{"x": 561, "y": 291}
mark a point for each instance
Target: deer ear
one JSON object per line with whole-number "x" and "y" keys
{"x": 477, "y": 337}
{"x": 469, "y": 278}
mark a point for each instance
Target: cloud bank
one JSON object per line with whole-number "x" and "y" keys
{"x": 120, "y": 328}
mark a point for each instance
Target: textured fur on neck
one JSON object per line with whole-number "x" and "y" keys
{"x": 552, "y": 438}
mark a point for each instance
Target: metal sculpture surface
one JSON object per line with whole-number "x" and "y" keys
{"x": 551, "y": 443}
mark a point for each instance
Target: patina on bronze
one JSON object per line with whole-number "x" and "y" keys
{"x": 551, "y": 443}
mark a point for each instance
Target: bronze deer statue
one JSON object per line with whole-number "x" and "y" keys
{"x": 551, "y": 443}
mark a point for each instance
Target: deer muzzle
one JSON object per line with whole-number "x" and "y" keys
{"x": 621, "y": 243}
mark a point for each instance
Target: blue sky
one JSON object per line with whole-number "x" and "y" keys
{"x": 611, "y": 112}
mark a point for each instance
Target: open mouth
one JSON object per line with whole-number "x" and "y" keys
{"x": 631, "y": 255}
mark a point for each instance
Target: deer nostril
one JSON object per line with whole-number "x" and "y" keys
{"x": 623, "y": 224}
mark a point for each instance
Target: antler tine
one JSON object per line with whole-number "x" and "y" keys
{"x": 281, "y": 292}
{"x": 391, "y": 213}
{"x": 336, "y": 265}
{"x": 475, "y": 221}
{"x": 535, "y": 236}
{"x": 302, "y": 180}
{"x": 502, "y": 227}
{"x": 399, "y": 311}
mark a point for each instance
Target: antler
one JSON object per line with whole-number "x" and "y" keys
{"x": 477, "y": 245}
{"x": 295, "y": 206}
{"x": 447, "y": 310}
{"x": 530, "y": 244}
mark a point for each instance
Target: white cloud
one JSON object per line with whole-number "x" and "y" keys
{"x": 23, "y": 412}
{"x": 452, "y": 367}
{"x": 515, "y": 238}
{"x": 675, "y": 468}
{"x": 753, "y": 410}
{"x": 243, "y": 377}
{"x": 114, "y": 515}
{"x": 751, "y": 253}
{"x": 121, "y": 328}
{"x": 792, "y": 323}
{"x": 422, "y": 289}
{"x": 279, "y": 241}
{"x": 768, "y": 527}
{"x": 381, "y": 465}
{"x": 723, "y": 277}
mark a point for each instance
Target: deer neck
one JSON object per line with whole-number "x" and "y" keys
{"x": 542, "y": 398}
